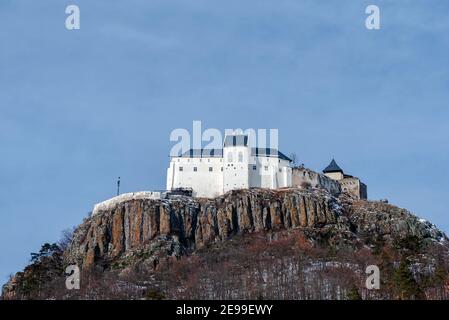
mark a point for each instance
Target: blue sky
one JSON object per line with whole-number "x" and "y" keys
{"x": 79, "y": 108}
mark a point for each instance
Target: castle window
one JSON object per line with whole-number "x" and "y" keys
{"x": 254, "y": 167}
{"x": 181, "y": 168}
{"x": 221, "y": 168}
{"x": 210, "y": 169}
{"x": 280, "y": 170}
{"x": 240, "y": 156}
{"x": 195, "y": 169}
{"x": 229, "y": 157}
{"x": 266, "y": 168}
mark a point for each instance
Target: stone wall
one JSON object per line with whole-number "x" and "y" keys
{"x": 306, "y": 178}
{"x": 354, "y": 187}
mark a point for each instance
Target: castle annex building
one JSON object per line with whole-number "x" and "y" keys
{"x": 349, "y": 184}
{"x": 213, "y": 172}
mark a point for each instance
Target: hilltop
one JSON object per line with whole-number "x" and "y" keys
{"x": 254, "y": 243}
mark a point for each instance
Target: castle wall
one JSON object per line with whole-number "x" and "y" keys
{"x": 211, "y": 177}
{"x": 203, "y": 175}
{"x": 235, "y": 168}
{"x": 354, "y": 187}
{"x": 334, "y": 175}
{"x": 363, "y": 191}
{"x": 305, "y": 178}
{"x": 269, "y": 172}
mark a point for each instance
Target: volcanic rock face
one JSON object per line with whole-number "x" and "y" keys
{"x": 149, "y": 229}
{"x": 189, "y": 224}
{"x": 9, "y": 289}
{"x": 377, "y": 219}
{"x": 139, "y": 233}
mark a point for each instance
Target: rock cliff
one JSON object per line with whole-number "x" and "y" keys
{"x": 149, "y": 229}
{"x": 184, "y": 224}
{"x": 143, "y": 232}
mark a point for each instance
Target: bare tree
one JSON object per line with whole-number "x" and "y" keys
{"x": 66, "y": 238}
{"x": 294, "y": 158}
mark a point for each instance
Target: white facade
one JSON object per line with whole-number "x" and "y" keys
{"x": 203, "y": 175}
{"x": 236, "y": 166}
{"x": 210, "y": 173}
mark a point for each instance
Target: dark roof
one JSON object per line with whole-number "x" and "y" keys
{"x": 235, "y": 140}
{"x": 218, "y": 153}
{"x": 333, "y": 167}
{"x": 238, "y": 140}
{"x": 203, "y": 153}
{"x": 267, "y": 152}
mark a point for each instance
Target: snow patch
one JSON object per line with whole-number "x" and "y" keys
{"x": 113, "y": 202}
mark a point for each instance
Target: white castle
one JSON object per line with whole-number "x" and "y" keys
{"x": 212, "y": 172}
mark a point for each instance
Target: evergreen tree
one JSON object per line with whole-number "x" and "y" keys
{"x": 405, "y": 284}
{"x": 46, "y": 250}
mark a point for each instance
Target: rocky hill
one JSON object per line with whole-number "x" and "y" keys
{"x": 199, "y": 248}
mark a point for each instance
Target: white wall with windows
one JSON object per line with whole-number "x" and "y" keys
{"x": 236, "y": 169}
{"x": 269, "y": 172}
{"x": 237, "y": 165}
{"x": 203, "y": 175}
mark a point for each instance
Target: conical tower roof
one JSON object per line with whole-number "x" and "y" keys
{"x": 332, "y": 167}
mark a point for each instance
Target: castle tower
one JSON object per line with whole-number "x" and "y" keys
{"x": 333, "y": 171}
{"x": 348, "y": 183}
{"x": 236, "y": 154}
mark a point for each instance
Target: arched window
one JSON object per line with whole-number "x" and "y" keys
{"x": 240, "y": 156}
